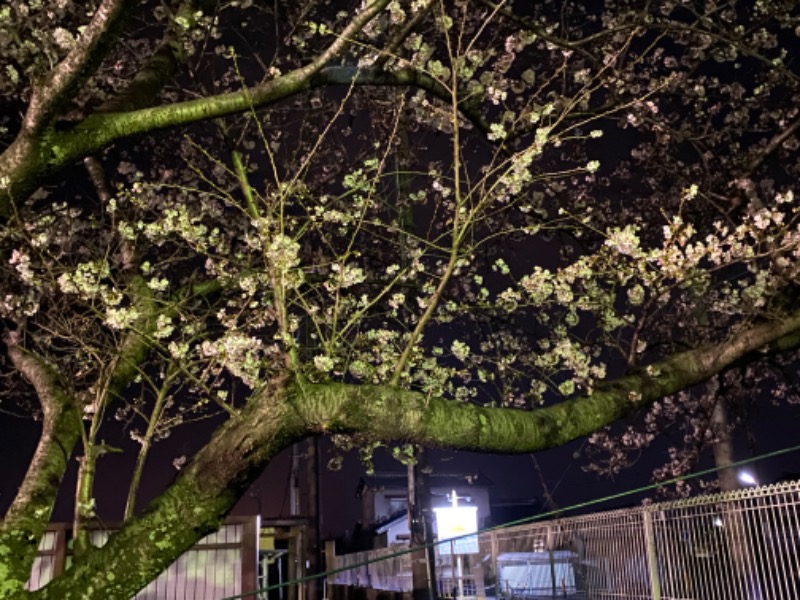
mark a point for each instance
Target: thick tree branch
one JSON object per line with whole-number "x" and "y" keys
{"x": 26, "y": 519}
{"x": 136, "y": 344}
{"x": 49, "y": 97}
{"x": 397, "y": 415}
{"x": 772, "y": 146}
{"x": 100, "y": 130}
{"x": 26, "y": 161}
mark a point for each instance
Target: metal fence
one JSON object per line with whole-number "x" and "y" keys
{"x": 736, "y": 546}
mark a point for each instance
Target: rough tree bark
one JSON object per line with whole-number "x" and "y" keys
{"x": 29, "y": 514}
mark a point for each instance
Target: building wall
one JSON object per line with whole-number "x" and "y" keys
{"x": 386, "y": 502}
{"x": 221, "y": 564}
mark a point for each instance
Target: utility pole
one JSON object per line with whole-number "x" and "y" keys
{"x": 294, "y": 483}
{"x": 735, "y": 526}
{"x": 295, "y": 556}
{"x": 423, "y": 561}
{"x": 723, "y": 448}
{"x": 312, "y": 530}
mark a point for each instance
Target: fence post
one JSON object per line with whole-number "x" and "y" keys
{"x": 652, "y": 558}
{"x": 495, "y": 552}
{"x": 551, "y": 557}
{"x": 60, "y": 558}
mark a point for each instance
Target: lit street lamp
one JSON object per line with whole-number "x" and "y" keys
{"x": 746, "y": 478}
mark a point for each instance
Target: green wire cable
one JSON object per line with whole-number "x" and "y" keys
{"x": 518, "y": 522}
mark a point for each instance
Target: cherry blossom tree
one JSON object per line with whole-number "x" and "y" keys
{"x": 459, "y": 224}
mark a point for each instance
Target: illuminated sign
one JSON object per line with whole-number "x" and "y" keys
{"x": 454, "y": 522}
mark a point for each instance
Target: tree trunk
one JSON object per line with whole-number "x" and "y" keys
{"x": 26, "y": 519}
